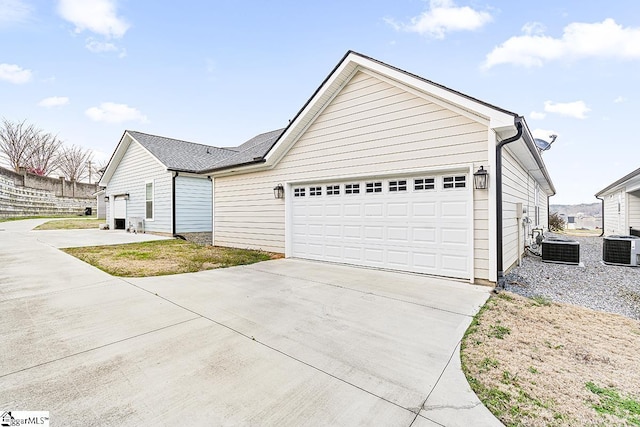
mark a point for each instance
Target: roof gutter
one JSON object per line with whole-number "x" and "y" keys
{"x": 499, "y": 234}
{"x": 536, "y": 155}
{"x": 253, "y": 162}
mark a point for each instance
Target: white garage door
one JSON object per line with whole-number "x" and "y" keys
{"x": 120, "y": 207}
{"x": 419, "y": 224}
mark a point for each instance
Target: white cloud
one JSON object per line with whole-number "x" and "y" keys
{"x": 532, "y": 28}
{"x": 619, "y": 100}
{"x": 110, "y": 112}
{"x": 54, "y": 101}
{"x": 14, "y": 74}
{"x": 536, "y": 115}
{"x": 97, "y": 16}
{"x": 96, "y": 46}
{"x": 14, "y": 11}
{"x": 576, "y": 109}
{"x": 443, "y": 16}
{"x": 604, "y": 39}
{"x": 544, "y": 134}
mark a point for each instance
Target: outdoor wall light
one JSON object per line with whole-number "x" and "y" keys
{"x": 481, "y": 179}
{"x": 278, "y": 191}
{"x": 106, "y": 198}
{"x": 126, "y": 196}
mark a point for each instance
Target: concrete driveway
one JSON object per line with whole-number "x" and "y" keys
{"x": 284, "y": 342}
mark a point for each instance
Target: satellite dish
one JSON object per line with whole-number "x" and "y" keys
{"x": 544, "y": 145}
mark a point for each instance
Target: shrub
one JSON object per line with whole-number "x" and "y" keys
{"x": 556, "y": 223}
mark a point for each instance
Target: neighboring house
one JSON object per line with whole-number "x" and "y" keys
{"x": 621, "y": 205}
{"x": 153, "y": 178}
{"x": 378, "y": 170}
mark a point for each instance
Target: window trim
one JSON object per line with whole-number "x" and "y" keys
{"x": 454, "y": 182}
{"x": 153, "y": 200}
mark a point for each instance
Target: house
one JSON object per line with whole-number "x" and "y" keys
{"x": 151, "y": 182}
{"x": 621, "y": 205}
{"x": 377, "y": 169}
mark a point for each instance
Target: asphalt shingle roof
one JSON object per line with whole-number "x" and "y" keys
{"x": 181, "y": 155}
{"x": 255, "y": 148}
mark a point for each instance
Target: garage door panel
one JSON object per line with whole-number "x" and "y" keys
{"x": 424, "y": 234}
{"x": 374, "y": 210}
{"x": 375, "y": 232}
{"x": 455, "y": 236}
{"x": 424, "y": 261}
{"x": 454, "y": 209}
{"x": 397, "y": 209}
{"x": 333, "y": 231}
{"x": 398, "y": 234}
{"x": 426, "y": 231}
{"x": 352, "y": 210}
{"x": 424, "y": 210}
{"x": 352, "y": 231}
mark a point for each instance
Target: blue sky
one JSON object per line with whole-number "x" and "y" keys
{"x": 220, "y": 72}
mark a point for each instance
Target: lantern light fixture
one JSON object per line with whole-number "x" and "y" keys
{"x": 481, "y": 179}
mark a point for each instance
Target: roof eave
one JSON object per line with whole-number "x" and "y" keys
{"x": 619, "y": 182}
{"x": 224, "y": 168}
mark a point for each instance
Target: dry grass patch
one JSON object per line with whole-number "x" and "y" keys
{"x": 71, "y": 224}
{"x": 162, "y": 257}
{"x": 537, "y": 363}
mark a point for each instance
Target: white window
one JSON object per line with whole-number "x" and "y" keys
{"x": 459, "y": 181}
{"x": 398, "y": 185}
{"x": 424, "y": 184}
{"x": 374, "y": 187}
{"x": 352, "y": 188}
{"x": 299, "y": 192}
{"x": 315, "y": 191}
{"x": 333, "y": 190}
{"x": 149, "y": 200}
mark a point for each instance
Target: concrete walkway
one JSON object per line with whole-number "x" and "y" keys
{"x": 285, "y": 342}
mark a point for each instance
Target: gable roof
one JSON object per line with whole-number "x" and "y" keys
{"x": 623, "y": 180}
{"x": 502, "y": 121}
{"x": 180, "y": 155}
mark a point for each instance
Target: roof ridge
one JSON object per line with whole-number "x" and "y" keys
{"x": 182, "y": 140}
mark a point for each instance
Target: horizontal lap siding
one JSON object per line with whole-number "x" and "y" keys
{"x": 135, "y": 169}
{"x": 518, "y": 186}
{"x": 193, "y": 204}
{"x": 614, "y": 217}
{"x": 370, "y": 127}
{"x": 634, "y": 209}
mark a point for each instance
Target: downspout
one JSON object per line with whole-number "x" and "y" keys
{"x": 173, "y": 204}
{"x": 499, "y": 230}
{"x": 602, "y": 214}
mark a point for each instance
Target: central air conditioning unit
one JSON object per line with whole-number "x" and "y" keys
{"x": 634, "y": 231}
{"x": 621, "y": 250}
{"x": 560, "y": 250}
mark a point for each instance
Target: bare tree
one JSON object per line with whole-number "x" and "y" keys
{"x": 16, "y": 139}
{"x": 73, "y": 162}
{"x": 44, "y": 155}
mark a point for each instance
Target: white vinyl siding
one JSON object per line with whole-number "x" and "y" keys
{"x": 634, "y": 209}
{"x": 369, "y": 127}
{"x": 518, "y": 186}
{"x": 193, "y": 204}
{"x": 136, "y": 168}
{"x": 614, "y": 213}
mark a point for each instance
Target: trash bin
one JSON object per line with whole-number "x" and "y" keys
{"x": 88, "y": 210}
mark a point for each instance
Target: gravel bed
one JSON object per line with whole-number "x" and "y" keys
{"x": 596, "y": 285}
